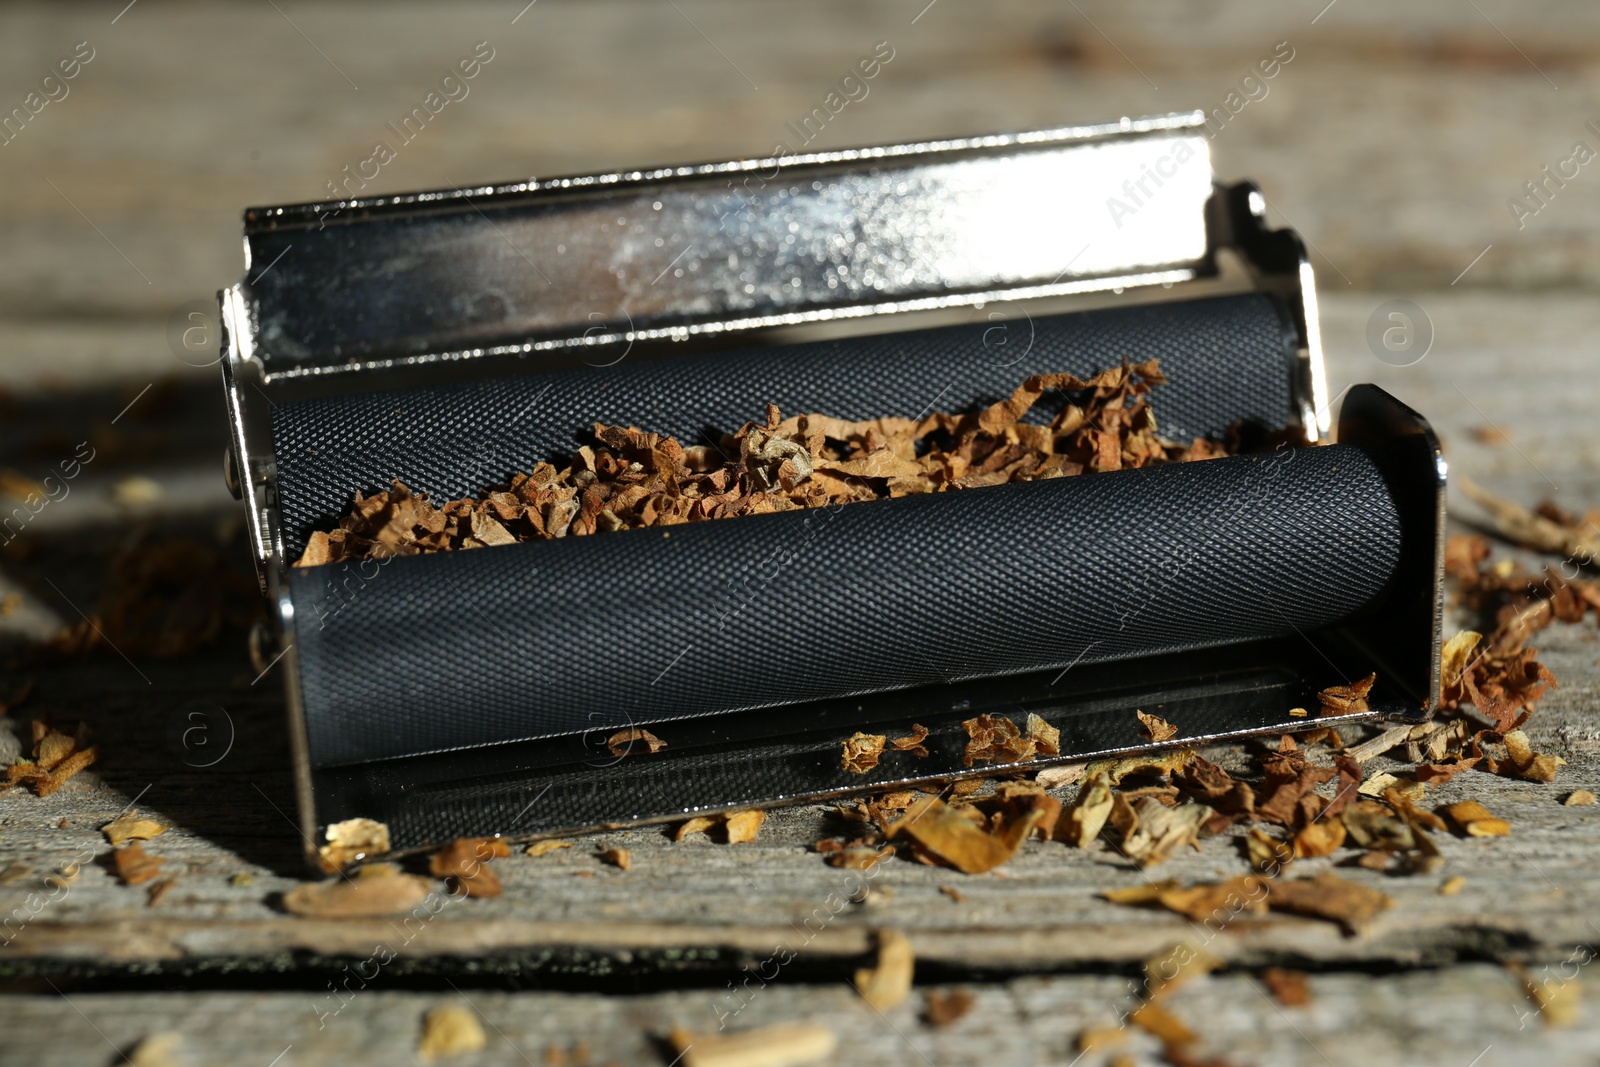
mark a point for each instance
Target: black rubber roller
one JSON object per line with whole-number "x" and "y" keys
{"x": 1226, "y": 358}
{"x": 500, "y": 644}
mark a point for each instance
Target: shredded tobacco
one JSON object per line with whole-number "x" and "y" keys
{"x": 56, "y": 758}
{"x": 372, "y": 891}
{"x": 465, "y": 862}
{"x": 630, "y": 479}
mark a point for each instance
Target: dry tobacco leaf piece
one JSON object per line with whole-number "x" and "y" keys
{"x": 858, "y": 857}
{"x": 944, "y": 1007}
{"x": 1218, "y": 901}
{"x": 1154, "y": 728}
{"x": 1558, "y": 1000}
{"x": 1327, "y": 896}
{"x": 617, "y": 857}
{"x": 465, "y": 861}
{"x": 1145, "y": 893}
{"x": 133, "y": 866}
{"x": 744, "y": 825}
{"x": 62, "y": 877}
{"x": 1267, "y": 854}
{"x": 160, "y": 1049}
{"x": 1046, "y": 738}
{"x": 1452, "y": 886}
{"x": 1116, "y": 770}
{"x": 1161, "y": 830}
{"x": 913, "y": 743}
{"x": 1055, "y": 777}
{"x": 14, "y": 872}
{"x": 1083, "y": 821}
{"x": 1346, "y": 699}
{"x": 1373, "y": 826}
{"x": 1292, "y": 988}
{"x": 159, "y": 889}
{"x": 697, "y": 825}
{"x": 778, "y": 1045}
{"x": 1177, "y": 966}
{"x": 372, "y": 891}
{"x": 1320, "y": 838}
{"x": 962, "y": 840}
{"x": 1579, "y": 796}
{"x": 862, "y": 751}
{"x": 352, "y": 840}
{"x": 995, "y": 738}
{"x": 56, "y": 758}
{"x": 626, "y": 742}
{"x": 1100, "y": 1038}
{"x": 888, "y": 982}
{"x": 544, "y": 848}
{"x": 131, "y": 826}
{"x": 1161, "y": 1024}
{"x": 953, "y": 893}
{"x": 1473, "y": 820}
{"x": 448, "y": 1030}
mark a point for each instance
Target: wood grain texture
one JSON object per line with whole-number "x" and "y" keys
{"x": 1435, "y": 1018}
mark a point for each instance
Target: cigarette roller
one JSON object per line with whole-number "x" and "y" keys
{"x": 451, "y": 339}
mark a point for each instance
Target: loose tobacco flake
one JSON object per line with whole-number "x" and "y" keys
{"x": 449, "y": 1030}
{"x": 1473, "y": 820}
{"x": 961, "y": 837}
{"x": 862, "y": 752}
{"x": 1086, "y": 817}
{"x": 133, "y": 867}
{"x": 1158, "y": 831}
{"x": 131, "y": 826}
{"x": 995, "y": 738}
{"x": 912, "y": 743}
{"x": 1327, "y": 896}
{"x": 372, "y": 891}
{"x": 352, "y": 840}
{"x": 626, "y": 742}
{"x": 767, "y": 1046}
{"x": 743, "y": 826}
{"x": 1291, "y": 988}
{"x": 945, "y": 1007}
{"x": 1154, "y": 728}
{"x": 465, "y": 861}
{"x": 57, "y": 757}
{"x": 1346, "y": 699}
{"x": 887, "y": 983}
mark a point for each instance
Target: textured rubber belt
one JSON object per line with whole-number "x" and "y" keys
{"x": 1227, "y": 358}
{"x": 423, "y": 653}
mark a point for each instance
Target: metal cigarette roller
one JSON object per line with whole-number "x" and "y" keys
{"x": 451, "y": 339}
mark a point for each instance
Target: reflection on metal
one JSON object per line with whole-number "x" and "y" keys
{"x": 696, "y": 251}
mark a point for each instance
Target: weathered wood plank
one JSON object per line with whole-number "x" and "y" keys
{"x": 1427, "y": 1018}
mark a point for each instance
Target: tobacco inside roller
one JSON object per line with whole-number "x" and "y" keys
{"x": 631, "y": 479}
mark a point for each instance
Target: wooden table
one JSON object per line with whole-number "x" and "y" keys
{"x": 1392, "y": 140}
